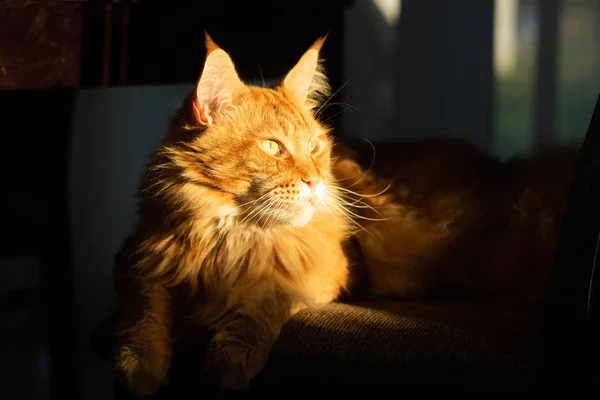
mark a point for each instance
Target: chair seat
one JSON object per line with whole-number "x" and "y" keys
{"x": 342, "y": 347}
{"x": 404, "y": 344}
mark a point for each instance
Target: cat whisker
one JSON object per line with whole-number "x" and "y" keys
{"x": 347, "y": 196}
{"x": 350, "y": 198}
{"x": 265, "y": 210}
{"x": 274, "y": 219}
{"x": 370, "y": 166}
{"x": 257, "y": 210}
{"x": 334, "y": 115}
{"x": 331, "y": 97}
{"x": 258, "y": 213}
{"x": 357, "y": 204}
{"x": 361, "y": 195}
{"x": 368, "y": 169}
{"x": 261, "y": 75}
{"x": 271, "y": 218}
{"x": 360, "y": 216}
{"x": 248, "y": 203}
{"x": 337, "y": 180}
{"x": 346, "y": 215}
{"x": 345, "y": 106}
{"x": 349, "y": 201}
{"x": 348, "y": 230}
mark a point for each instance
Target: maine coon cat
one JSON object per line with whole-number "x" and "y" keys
{"x": 236, "y": 229}
{"x": 248, "y": 208}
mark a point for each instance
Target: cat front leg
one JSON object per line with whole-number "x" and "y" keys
{"x": 242, "y": 340}
{"x": 143, "y": 351}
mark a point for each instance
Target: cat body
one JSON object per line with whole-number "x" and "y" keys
{"x": 249, "y": 284}
{"x": 440, "y": 218}
{"x": 236, "y": 229}
{"x": 248, "y": 208}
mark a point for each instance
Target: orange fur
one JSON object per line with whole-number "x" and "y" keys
{"x": 440, "y": 218}
{"x": 247, "y": 208}
{"x": 229, "y": 236}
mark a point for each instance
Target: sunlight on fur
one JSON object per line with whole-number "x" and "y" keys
{"x": 248, "y": 207}
{"x": 240, "y": 224}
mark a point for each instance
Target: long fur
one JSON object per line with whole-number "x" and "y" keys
{"x": 222, "y": 241}
{"x": 225, "y": 241}
{"x": 440, "y": 218}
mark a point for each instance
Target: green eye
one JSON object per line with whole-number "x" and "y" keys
{"x": 312, "y": 146}
{"x": 271, "y": 147}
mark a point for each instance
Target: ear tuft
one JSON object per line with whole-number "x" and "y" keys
{"x": 210, "y": 44}
{"x": 307, "y": 81}
{"x": 318, "y": 44}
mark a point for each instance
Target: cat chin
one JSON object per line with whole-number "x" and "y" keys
{"x": 303, "y": 217}
{"x": 295, "y": 217}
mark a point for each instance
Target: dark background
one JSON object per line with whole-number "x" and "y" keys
{"x": 86, "y": 88}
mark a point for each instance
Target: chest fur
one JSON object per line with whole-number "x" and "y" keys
{"x": 303, "y": 265}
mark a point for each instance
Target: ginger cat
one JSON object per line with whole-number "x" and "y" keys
{"x": 238, "y": 227}
{"x": 247, "y": 209}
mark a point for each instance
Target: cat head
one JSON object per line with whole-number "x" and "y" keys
{"x": 255, "y": 153}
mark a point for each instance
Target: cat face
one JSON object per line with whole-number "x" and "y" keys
{"x": 272, "y": 155}
{"x": 260, "y": 150}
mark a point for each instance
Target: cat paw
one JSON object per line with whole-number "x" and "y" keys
{"x": 227, "y": 376}
{"x": 144, "y": 372}
{"x": 231, "y": 367}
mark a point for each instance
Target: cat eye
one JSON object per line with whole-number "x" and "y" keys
{"x": 271, "y": 147}
{"x": 312, "y": 146}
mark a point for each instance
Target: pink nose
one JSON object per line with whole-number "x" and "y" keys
{"x": 311, "y": 181}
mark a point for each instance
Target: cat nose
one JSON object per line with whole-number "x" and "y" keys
{"x": 311, "y": 181}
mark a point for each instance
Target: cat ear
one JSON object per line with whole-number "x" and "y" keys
{"x": 307, "y": 81}
{"x": 217, "y": 85}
